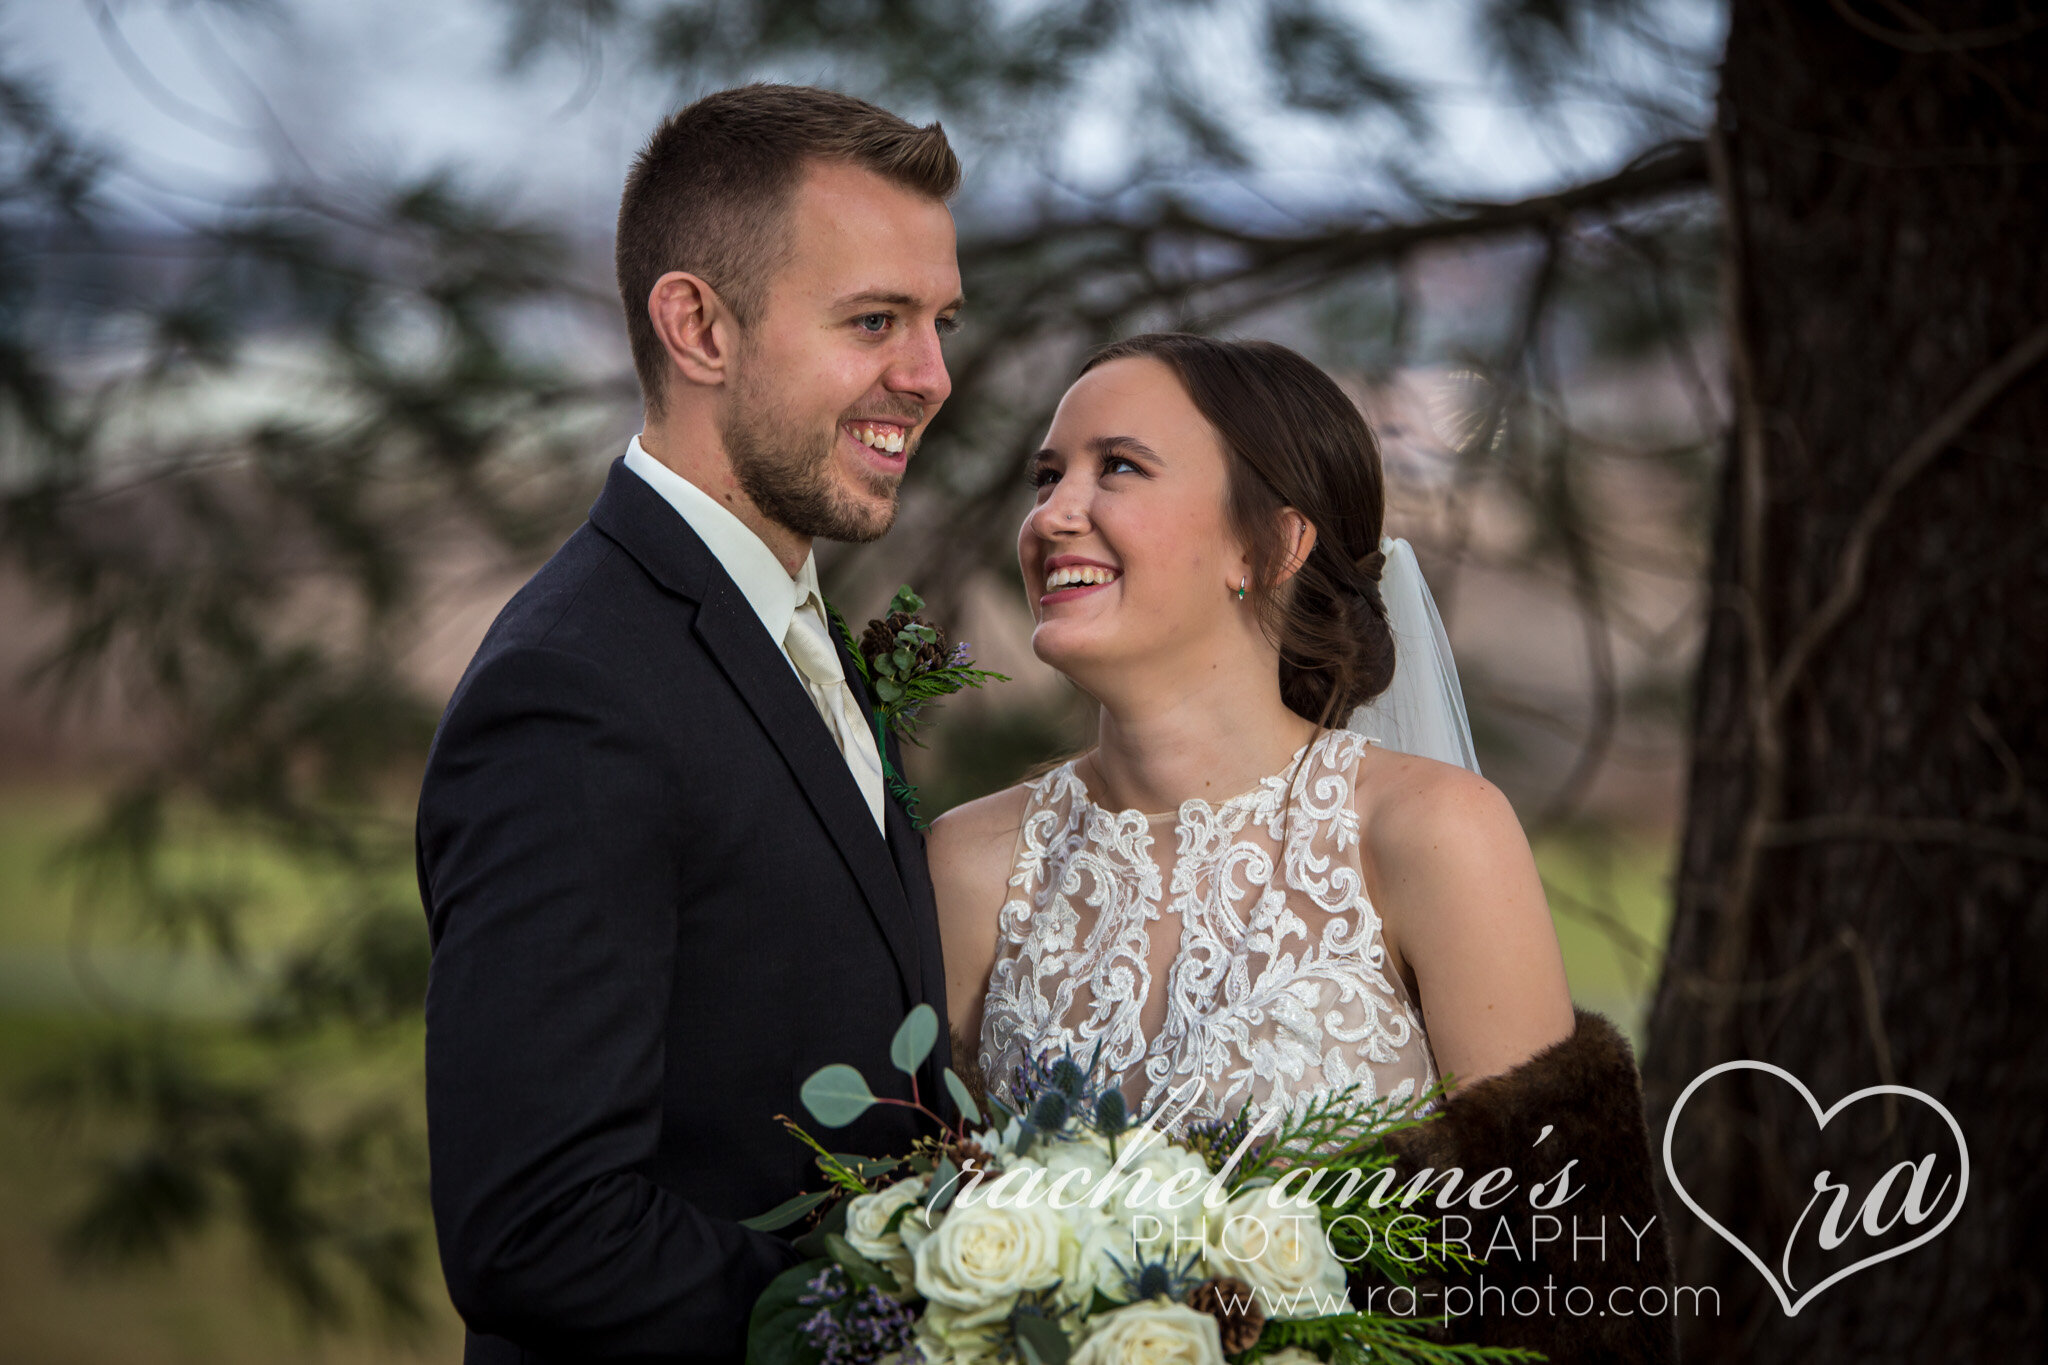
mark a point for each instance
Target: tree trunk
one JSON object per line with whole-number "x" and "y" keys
{"x": 1862, "y": 894}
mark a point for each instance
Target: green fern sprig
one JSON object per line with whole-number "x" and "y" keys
{"x": 1341, "y": 1136}
{"x": 903, "y": 681}
{"x": 1369, "y": 1338}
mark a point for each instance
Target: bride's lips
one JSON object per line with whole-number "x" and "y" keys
{"x": 871, "y": 439}
{"x": 1074, "y": 591}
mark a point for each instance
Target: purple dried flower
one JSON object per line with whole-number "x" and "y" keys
{"x": 854, "y": 1329}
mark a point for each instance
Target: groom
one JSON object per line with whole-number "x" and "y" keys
{"x": 663, "y": 877}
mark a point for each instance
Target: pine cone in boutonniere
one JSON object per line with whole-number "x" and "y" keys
{"x": 1235, "y": 1307}
{"x": 906, "y": 662}
{"x": 881, "y": 642}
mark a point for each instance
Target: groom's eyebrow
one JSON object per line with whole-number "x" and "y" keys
{"x": 891, "y": 299}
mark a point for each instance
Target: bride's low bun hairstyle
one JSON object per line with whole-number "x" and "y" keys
{"x": 1292, "y": 438}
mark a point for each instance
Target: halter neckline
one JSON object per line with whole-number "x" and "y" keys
{"x": 1081, "y": 794}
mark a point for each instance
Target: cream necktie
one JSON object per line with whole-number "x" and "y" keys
{"x": 809, "y": 642}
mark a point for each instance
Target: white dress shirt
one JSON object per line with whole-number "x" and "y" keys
{"x": 775, "y": 595}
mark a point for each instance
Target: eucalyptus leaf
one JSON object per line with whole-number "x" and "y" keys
{"x": 772, "y": 1335}
{"x": 1043, "y": 1338}
{"x": 836, "y": 1095}
{"x": 866, "y": 1167}
{"x": 914, "y": 1039}
{"x": 787, "y": 1212}
{"x": 957, "y": 1088}
{"x": 895, "y": 1222}
{"x": 888, "y": 689}
{"x": 945, "y": 1184}
{"x": 1102, "y": 1303}
{"x": 859, "y": 1268}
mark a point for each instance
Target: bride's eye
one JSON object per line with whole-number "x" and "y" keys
{"x": 1038, "y": 476}
{"x": 1110, "y": 463}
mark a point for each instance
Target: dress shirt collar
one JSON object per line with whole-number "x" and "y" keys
{"x": 768, "y": 587}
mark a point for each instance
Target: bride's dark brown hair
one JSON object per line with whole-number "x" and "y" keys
{"x": 1292, "y": 438}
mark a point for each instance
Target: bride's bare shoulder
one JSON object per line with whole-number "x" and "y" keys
{"x": 1419, "y": 818}
{"x": 1462, "y": 905}
{"x": 968, "y": 850}
{"x": 969, "y": 846}
{"x": 1407, "y": 803}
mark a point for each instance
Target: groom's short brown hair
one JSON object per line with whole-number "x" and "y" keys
{"x": 710, "y": 191}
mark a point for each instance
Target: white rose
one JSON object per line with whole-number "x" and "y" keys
{"x": 914, "y": 1229}
{"x": 942, "y": 1340}
{"x": 1181, "y": 1215}
{"x": 1096, "y": 1246}
{"x": 981, "y": 1258}
{"x": 1280, "y": 1252}
{"x": 867, "y": 1219}
{"x": 1153, "y": 1332}
{"x": 1088, "y": 1153}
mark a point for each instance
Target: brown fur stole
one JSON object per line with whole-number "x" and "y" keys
{"x": 1586, "y": 1089}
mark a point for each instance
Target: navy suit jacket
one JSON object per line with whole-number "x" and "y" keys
{"x": 657, "y": 901}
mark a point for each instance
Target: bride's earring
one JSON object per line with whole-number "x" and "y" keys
{"x": 1242, "y": 580}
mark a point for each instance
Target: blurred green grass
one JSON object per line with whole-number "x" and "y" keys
{"x": 1608, "y": 891}
{"x": 1610, "y": 900}
{"x": 208, "y": 1303}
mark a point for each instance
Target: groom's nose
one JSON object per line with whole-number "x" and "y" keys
{"x": 917, "y": 368}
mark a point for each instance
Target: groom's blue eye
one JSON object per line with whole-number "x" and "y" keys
{"x": 880, "y": 319}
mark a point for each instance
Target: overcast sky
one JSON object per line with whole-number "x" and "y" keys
{"x": 399, "y": 86}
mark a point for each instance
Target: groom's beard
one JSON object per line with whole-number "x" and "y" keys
{"x": 786, "y": 468}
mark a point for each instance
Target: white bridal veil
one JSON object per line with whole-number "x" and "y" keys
{"x": 1423, "y": 711}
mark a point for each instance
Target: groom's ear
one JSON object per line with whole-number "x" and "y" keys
{"x": 694, "y": 324}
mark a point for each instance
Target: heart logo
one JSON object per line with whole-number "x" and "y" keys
{"x": 1791, "y": 1305}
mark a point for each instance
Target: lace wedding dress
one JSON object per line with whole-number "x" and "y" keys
{"x": 1232, "y": 942}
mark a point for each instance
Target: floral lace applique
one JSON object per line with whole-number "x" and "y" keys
{"x": 1249, "y": 956}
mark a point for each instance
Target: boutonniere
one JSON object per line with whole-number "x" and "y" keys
{"x": 907, "y": 664}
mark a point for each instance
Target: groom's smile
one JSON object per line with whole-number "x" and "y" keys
{"x": 850, "y": 339}
{"x": 886, "y": 444}
{"x": 801, "y": 411}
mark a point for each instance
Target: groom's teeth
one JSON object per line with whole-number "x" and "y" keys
{"x": 889, "y": 440}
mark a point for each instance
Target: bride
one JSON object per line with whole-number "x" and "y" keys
{"x": 1231, "y": 885}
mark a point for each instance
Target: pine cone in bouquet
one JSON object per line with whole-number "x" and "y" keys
{"x": 1239, "y": 1320}
{"x": 963, "y": 1150}
{"x": 880, "y": 642}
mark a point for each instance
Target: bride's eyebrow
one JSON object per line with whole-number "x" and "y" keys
{"x": 1103, "y": 446}
{"x": 1106, "y": 446}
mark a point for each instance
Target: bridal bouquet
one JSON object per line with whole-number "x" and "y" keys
{"x": 1068, "y": 1231}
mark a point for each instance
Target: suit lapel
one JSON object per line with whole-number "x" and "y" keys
{"x": 907, "y": 848}
{"x": 649, "y": 529}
